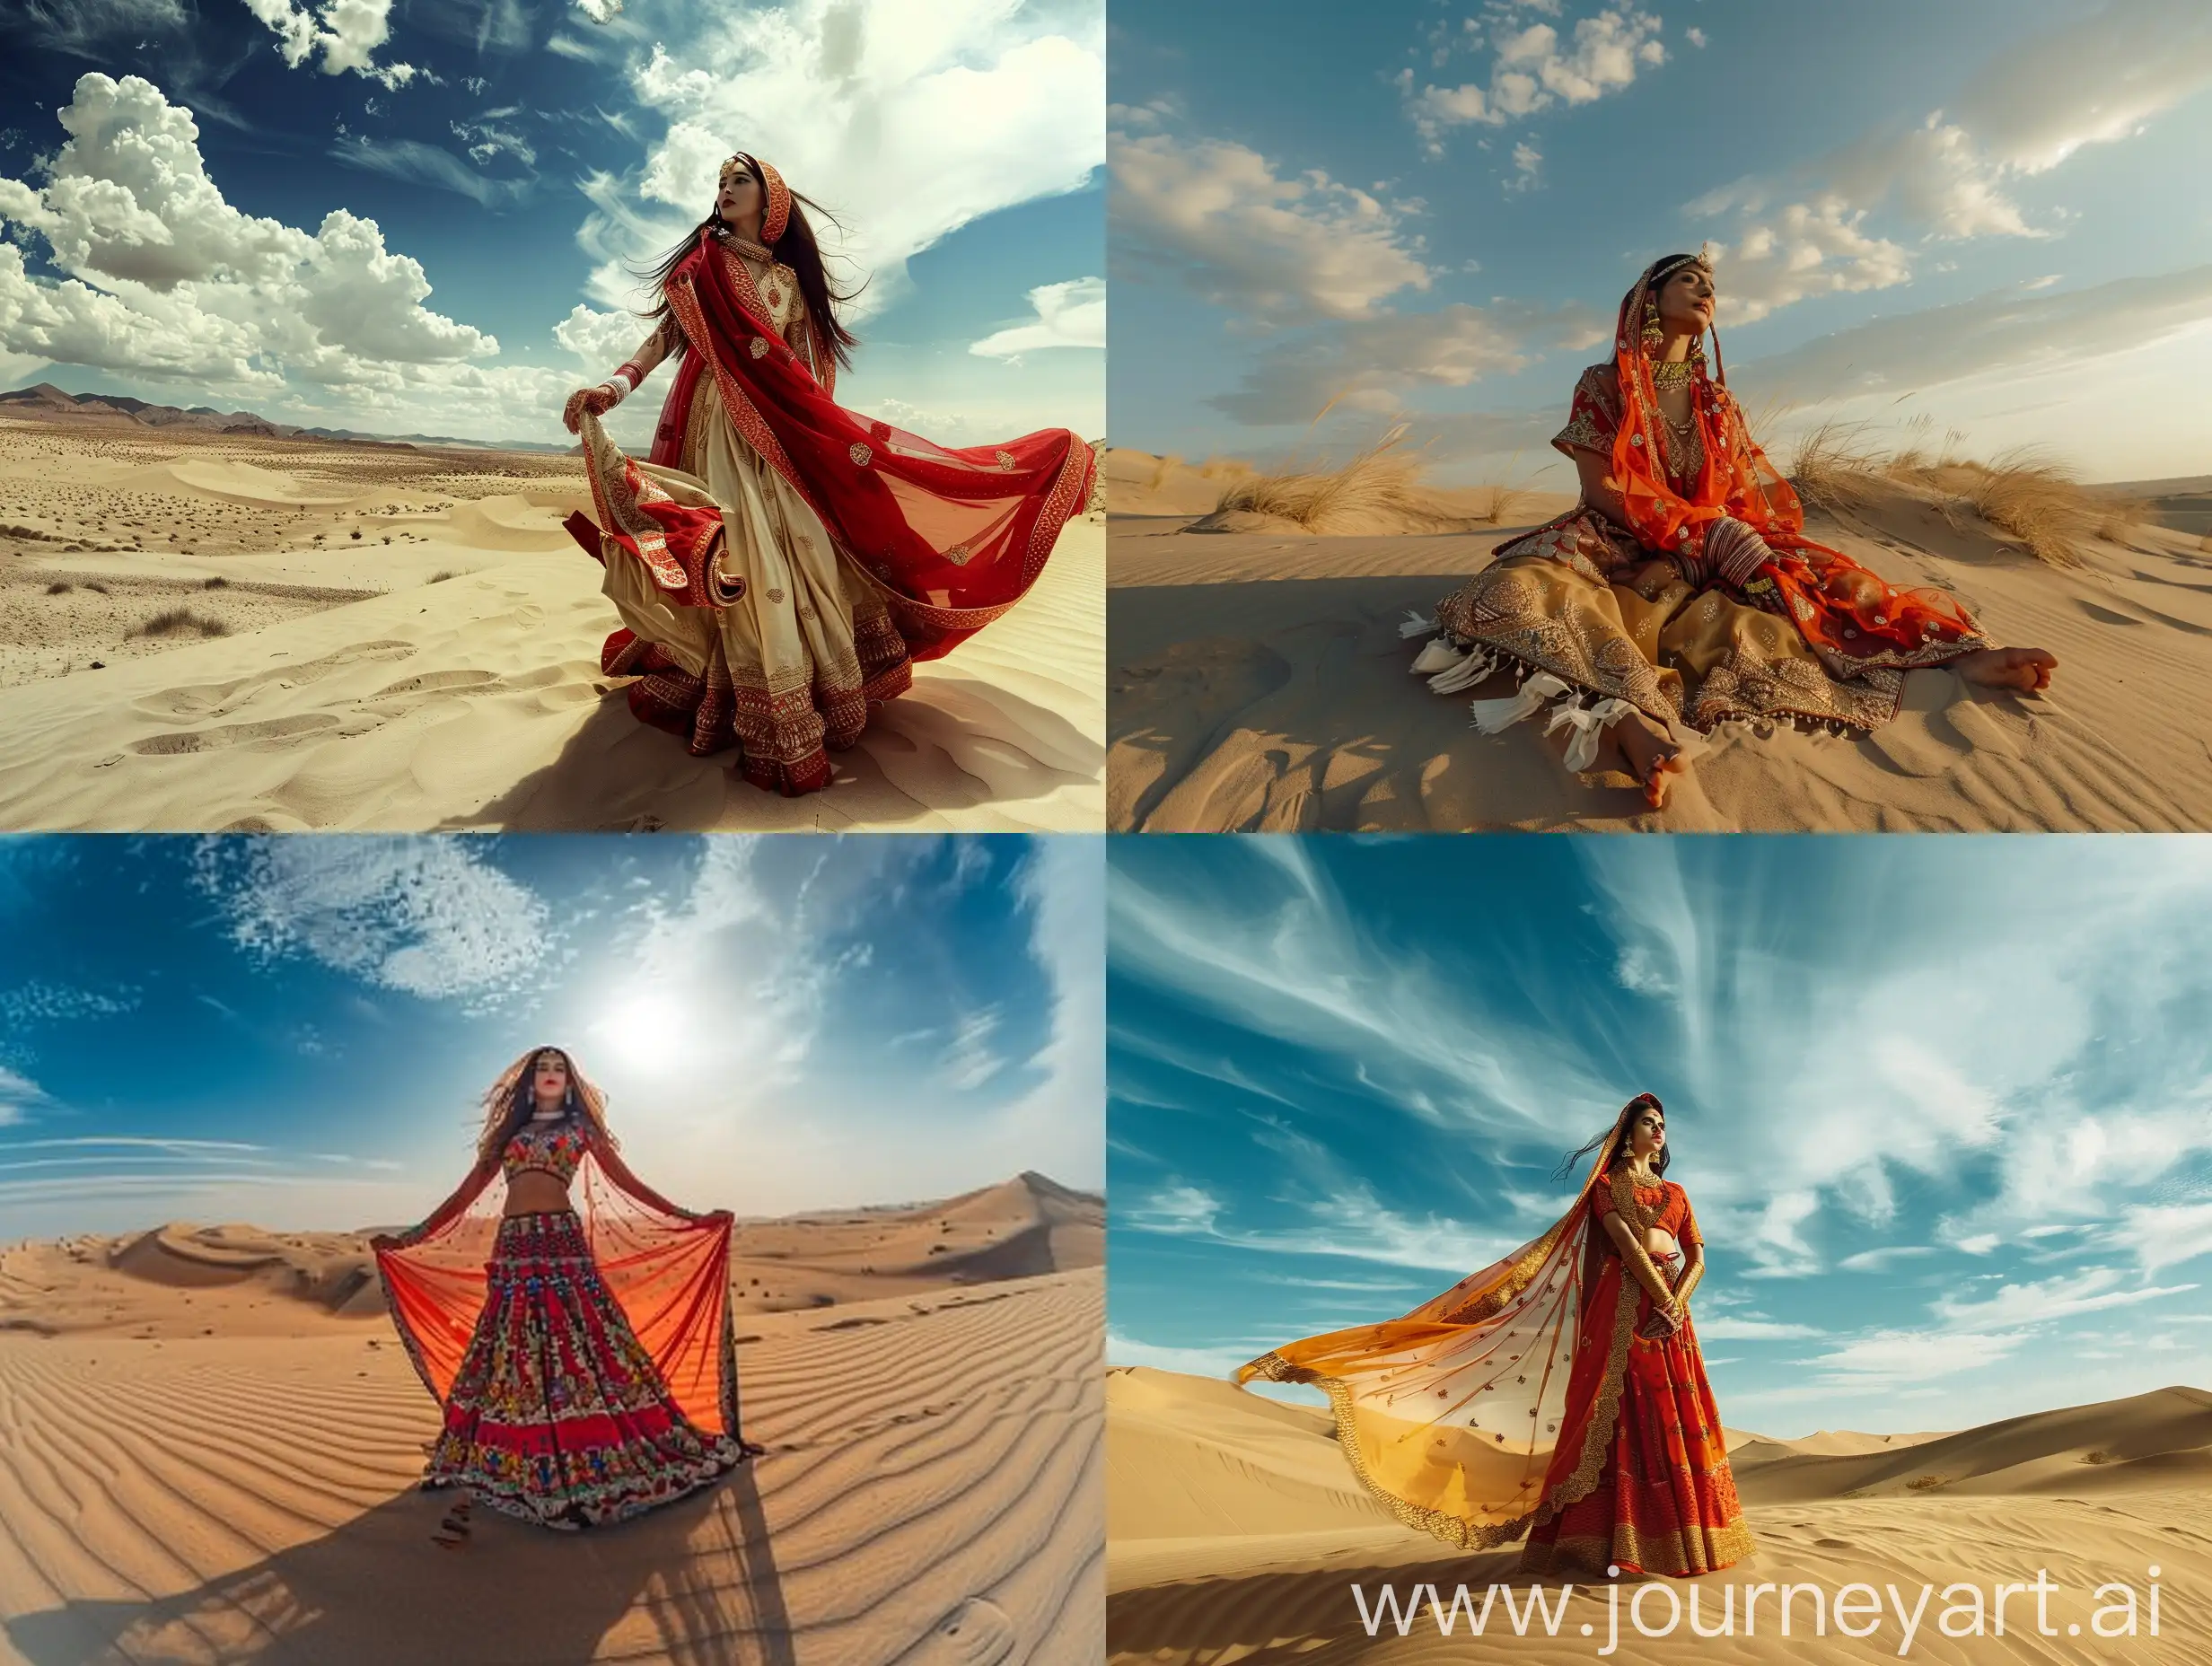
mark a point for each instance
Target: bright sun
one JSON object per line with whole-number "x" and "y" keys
{"x": 644, "y": 1030}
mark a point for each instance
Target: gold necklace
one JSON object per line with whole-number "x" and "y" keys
{"x": 1673, "y": 373}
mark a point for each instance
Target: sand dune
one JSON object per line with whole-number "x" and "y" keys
{"x": 1259, "y": 682}
{"x": 208, "y": 632}
{"x": 1235, "y": 1531}
{"x": 931, "y": 1494}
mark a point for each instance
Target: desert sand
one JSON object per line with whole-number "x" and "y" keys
{"x": 205, "y": 631}
{"x": 209, "y": 1438}
{"x": 1259, "y": 681}
{"x": 1235, "y": 1529}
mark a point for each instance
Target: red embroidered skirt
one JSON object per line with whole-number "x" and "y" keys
{"x": 558, "y": 1414}
{"x": 1666, "y": 1499}
{"x": 791, "y": 739}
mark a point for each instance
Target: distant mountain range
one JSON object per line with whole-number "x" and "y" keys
{"x": 47, "y": 403}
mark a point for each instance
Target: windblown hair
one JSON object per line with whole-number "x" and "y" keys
{"x": 511, "y": 1101}
{"x": 796, "y": 249}
{"x": 1615, "y": 1141}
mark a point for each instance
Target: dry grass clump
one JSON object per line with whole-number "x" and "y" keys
{"x": 1379, "y": 488}
{"x": 1163, "y": 467}
{"x": 1834, "y": 466}
{"x": 2022, "y": 491}
{"x": 182, "y": 622}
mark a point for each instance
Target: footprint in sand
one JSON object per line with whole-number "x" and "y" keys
{"x": 278, "y": 730}
{"x": 433, "y": 682}
{"x": 211, "y": 699}
{"x": 975, "y": 1634}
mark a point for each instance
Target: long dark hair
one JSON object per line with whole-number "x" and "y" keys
{"x": 1615, "y": 1140}
{"x": 513, "y": 1098}
{"x": 796, "y": 249}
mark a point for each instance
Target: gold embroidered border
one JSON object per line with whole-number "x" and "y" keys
{"x": 1517, "y": 1279}
{"x": 1451, "y": 1528}
{"x": 1605, "y": 1413}
{"x": 744, "y": 416}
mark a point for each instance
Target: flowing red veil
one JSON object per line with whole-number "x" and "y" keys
{"x": 667, "y": 1267}
{"x": 953, "y": 537}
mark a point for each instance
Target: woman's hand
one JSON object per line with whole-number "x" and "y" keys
{"x": 597, "y": 400}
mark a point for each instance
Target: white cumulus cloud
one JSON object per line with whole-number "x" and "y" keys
{"x": 1272, "y": 250}
{"x": 1072, "y": 314}
{"x": 346, "y": 33}
{"x": 907, "y": 122}
{"x": 1534, "y": 69}
{"x": 166, "y": 278}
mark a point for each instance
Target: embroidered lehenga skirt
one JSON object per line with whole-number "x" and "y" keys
{"x": 1660, "y": 1497}
{"x": 789, "y": 670}
{"x": 558, "y": 1414}
{"x": 1577, "y": 598}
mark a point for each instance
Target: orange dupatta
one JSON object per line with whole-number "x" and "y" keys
{"x": 667, "y": 1268}
{"x": 1847, "y": 615}
{"x": 1453, "y": 1413}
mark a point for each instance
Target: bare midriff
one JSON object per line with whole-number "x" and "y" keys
{"x": 535, "y": 1191}
{"x": 1659, "y": 1244}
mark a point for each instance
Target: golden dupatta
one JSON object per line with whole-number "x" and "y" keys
{"x": 1452, "y": 1414}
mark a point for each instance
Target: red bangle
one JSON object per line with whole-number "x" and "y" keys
{"x": 627, "y": 370}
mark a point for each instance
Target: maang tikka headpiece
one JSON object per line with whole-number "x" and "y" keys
{"x": 775, "y": 197}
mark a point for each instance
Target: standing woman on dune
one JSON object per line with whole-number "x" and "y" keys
{"x": 781, "y": 562}
{"x": 1559, "y": 1394}
{"x": 582, "y": 1356}
{"x": 1682, "y": 591}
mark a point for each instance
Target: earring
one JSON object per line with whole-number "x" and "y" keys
{"x": 1653, "y": 335}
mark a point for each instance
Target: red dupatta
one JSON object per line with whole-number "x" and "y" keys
{"x": 953, "y": 537}
{"x": 667, "y": 1268}
{"x": 1849, "y": 615}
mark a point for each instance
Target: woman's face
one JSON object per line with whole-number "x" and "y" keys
{"x": 738, "y": 197}
{"x": 1686, "y": 298}
{"x": 550, "y": 1083}
{"x": 1647, "y": 1133}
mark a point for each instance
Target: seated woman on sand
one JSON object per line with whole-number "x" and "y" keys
{"x": 1681, "y": 590}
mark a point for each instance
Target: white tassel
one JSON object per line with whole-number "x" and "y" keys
{"x": 1589, "y": 724}
{"x": 1413, "y": 625}
{"x": 1497, "y": 716}
{"x": 1436, "y": 656}
{"x": 1463, "y": 673}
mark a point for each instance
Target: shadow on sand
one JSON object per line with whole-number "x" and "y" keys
{"x": 691, "y": 1583}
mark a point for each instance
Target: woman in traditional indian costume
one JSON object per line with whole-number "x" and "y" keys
{"x": 581, "y": 1348}
{"x": 1557, "y": 1394}
{"x": 780, "y": 563}
{"x": 1681, "y": 590}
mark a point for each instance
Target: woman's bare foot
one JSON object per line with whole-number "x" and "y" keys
{"x": 2025, "y": 670}
{"x": 1652, "y": 758}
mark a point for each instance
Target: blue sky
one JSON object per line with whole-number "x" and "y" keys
{"x": 294, "y": 1031}
{"x": 1943, "y": 1106}
{"x": 1988, "y": 214}
{"x": 493, "y": 166}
